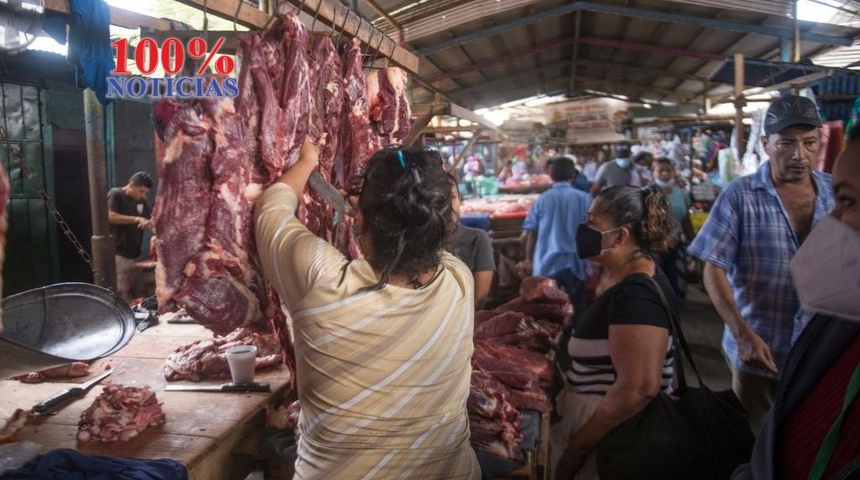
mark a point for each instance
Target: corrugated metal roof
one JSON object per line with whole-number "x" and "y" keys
{"x": 484, "y": 53}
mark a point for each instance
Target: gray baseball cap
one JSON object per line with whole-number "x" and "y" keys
{"x": 790, "y": 110}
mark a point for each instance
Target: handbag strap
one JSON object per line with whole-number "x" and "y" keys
{"x": 678, "y": 339}
{"x": 822, "y": 458}
{"x": 679, "y": 342}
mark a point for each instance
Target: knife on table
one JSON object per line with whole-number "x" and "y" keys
{"x": 226, "y": 387}
{"x": 327, "y": 191}
{"x": 56, "y": 400}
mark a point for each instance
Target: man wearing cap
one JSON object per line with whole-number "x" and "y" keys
{"x": 754, "y": 228}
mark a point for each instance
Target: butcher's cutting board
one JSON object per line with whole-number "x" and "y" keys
{"x": 202, "y": 428}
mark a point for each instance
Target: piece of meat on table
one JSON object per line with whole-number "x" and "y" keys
{"x": 554, "y": 312}
{"x": 13, "y": 425}
{"x": 70, "y": 370}
{"x": 542, "y": 290}
{"x": 491, "y": 358}
{"x": 207, "y": 358}
{"x": 119, "y": 414}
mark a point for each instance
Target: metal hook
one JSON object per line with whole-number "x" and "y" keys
{"x": 391, "y": 53}
{"x": 205, "y": 22}
{"x": 343, "y": 26}
{"x": 376, "y": 51}
{"x": 316, "y": 14}
{"x": 379, "y": 49}
{"x": 369, "y": 46}
{"x": 236, "y": 14}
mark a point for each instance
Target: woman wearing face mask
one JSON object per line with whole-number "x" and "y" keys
{"x": 674, "y": 258}
{"x": 813, "y": 428}
{"x": 621, "y": 347}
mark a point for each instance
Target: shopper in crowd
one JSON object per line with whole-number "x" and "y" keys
{"x": 129, "y": 215}
{"x": 579, "y": 182}
{"x": 754, "y": 228}
{"x": 673, "y": 262}
{"x": 589, "y": 167}
{"x": 617, "y": 172}
{"x": 550, "y": 233}
{"x": 383, "y": 344}
{"x": 474, "y": 248}
{"x": 642, "y": 163}
{"x": 621, "y": 347}
{"x": 506, "y": 173}
{"x": 813, "y": 386}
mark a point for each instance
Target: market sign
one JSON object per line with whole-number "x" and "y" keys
{"x": 596, "y": 120}
{"x": 206, "y": 77}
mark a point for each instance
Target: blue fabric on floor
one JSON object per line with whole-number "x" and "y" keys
{"x": 90, "y": 49}
{"x": 68, "y": 464}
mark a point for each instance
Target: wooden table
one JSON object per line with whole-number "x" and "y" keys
{"x": 203, "y": 429}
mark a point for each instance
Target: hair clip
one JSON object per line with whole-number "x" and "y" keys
{"x": 400, "y": 158}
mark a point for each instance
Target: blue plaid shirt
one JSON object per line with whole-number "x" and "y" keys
{"x": 748, "y": 233}
{"x": 555, "y": 215}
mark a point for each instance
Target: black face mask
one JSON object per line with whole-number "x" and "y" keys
{"x": 589, "y": 241}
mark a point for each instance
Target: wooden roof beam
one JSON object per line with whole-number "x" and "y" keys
{"x": 119, "y": 17}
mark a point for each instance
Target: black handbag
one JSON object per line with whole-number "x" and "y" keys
{"x": 694, "y": 433}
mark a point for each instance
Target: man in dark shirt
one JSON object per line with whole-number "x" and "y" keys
{"x": 129, "y": 215}
{"x": 475, "y": 249}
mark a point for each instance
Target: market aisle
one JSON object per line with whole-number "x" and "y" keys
{"x": 703, "y": 329}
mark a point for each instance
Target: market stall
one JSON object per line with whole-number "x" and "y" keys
{"x": 211, "y": 445}
{"x": 202, "y": 254}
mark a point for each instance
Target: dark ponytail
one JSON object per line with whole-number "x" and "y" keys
{"x": 405, "y": 198}
{"x": 646, "y": 211}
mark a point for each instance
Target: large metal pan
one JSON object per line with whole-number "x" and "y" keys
{"x": 58, "y": 324}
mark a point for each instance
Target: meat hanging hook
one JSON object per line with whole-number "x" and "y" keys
{"x": 343, "y": 25}
{"x": 236, "y": 14}
{"x": 377, "y": 50}
{"x": 316, "y": 14}
{"x": 205, "y": 23}
{"x": 370, "y": 46}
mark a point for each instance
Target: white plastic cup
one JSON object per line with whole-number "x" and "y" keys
{"x": 241, "y": 360}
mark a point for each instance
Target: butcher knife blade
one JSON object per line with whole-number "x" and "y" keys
{"x": 226, "y": 387}
{"x": 49, "y": 404}
{"x": 327, "y": 191}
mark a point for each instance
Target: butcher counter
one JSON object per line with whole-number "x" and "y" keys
{"x": 214, "y": 434}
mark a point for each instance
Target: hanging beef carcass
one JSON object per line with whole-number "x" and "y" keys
{"x": 358, "y": 140}
{"x": 326, "y": 105}
{"x": 219, "y": 156}
{"x": 389, "y": 106}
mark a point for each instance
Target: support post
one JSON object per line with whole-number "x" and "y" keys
{"x": 103, "y": 248}
{"x": 739, "y": 101}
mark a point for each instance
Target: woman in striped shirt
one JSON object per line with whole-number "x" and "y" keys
{"x": 383, "y": 344}
{"x": 621, "y": 347}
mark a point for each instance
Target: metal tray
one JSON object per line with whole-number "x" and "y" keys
{"x": 58, "y": 324}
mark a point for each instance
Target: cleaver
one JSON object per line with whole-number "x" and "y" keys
{"x": 327, "y": 191}
{"x": 226, "y": 387}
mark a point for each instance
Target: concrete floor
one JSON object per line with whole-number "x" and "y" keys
{"x": 703, "y": 330}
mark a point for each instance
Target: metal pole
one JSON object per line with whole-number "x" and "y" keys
{"x": 102, "y": 241}
{"x": 739, "y": 100}
{"x": 795, "y": 48}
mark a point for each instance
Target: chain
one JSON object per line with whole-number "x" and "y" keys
{"x": 19, "y": 158}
